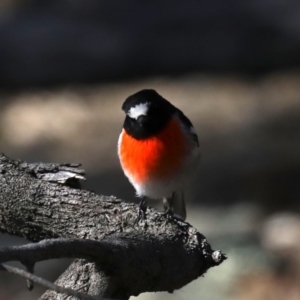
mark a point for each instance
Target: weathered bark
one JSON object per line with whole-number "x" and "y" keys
{"x": 159, "y": 253}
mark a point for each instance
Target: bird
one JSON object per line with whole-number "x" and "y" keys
{"x": 158, "y": 150}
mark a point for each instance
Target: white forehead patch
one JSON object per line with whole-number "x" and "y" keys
{"x": 138, "y": 110}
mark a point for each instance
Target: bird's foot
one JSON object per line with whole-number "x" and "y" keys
{"x": 168, "y": 212}
{"x": 141, "y": 214}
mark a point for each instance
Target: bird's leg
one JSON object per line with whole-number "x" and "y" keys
{"x": 168, "y": 204}
{"x": 142, "y": 209}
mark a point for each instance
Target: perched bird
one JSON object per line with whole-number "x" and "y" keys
{"x": 158, "y": 150}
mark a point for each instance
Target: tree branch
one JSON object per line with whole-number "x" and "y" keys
{"x": 57, "y": 248}
{"x": 67, "y": 248}
{"x": 160, "y": 253}
{"x": 46, "y": 283}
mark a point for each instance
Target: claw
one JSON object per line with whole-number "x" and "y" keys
{"x": 168, "y": 212}
{"x": 141, "y": 215}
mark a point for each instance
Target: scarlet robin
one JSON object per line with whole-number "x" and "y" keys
{"x": 158, "y": 149}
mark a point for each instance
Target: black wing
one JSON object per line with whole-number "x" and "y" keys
{"x": 187, "y": 124}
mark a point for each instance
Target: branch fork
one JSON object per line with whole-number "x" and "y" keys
{"x": 116, "y": 257}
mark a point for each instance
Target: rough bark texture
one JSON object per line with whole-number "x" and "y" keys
{"x": 160, "y": 253}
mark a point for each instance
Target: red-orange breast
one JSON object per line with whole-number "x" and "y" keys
{"x": 155, "y": 157}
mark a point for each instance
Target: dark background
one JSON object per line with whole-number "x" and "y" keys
{"x": 232, "y": 66}
{"x": 58, "y": 42}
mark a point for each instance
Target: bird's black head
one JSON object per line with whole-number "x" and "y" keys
{"x": 146, "y": 113}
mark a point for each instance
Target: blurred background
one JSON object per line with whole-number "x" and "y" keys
{"x": 232, "y": 66}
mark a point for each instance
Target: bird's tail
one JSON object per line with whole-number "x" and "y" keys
{"x": 177, "y": 204}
